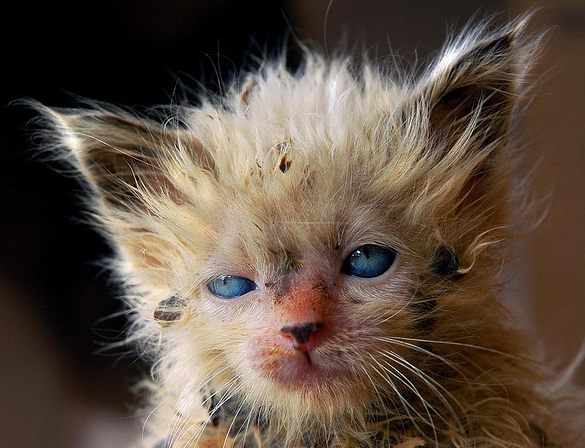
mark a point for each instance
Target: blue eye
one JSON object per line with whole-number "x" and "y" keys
{"x": 231, "y": 286}
{"x": 369, "y": 261}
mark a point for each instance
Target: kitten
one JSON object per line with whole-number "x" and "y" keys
{"x": 314, "y": 259}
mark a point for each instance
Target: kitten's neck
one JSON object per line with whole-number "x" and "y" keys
{"x": 242, "y": 425}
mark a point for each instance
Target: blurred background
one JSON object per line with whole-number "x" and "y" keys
{"x": 56, "y": 390}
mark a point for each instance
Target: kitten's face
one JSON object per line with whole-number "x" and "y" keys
{"x": 299, "y": 228}
{"x": 314, "y": 289}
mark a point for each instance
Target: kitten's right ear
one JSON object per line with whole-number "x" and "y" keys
{"x": 128, "y": 160}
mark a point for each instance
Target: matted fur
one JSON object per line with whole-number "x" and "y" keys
{"x": 279, "y": 181}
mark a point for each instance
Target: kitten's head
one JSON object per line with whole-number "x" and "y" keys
{"x": 293, "y": 246}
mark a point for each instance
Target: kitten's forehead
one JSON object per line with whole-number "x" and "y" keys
{"x": 324, "y": 112}
{"x": 301, "y": 175}
{"x": 282, "y": 228}
{"x": 309, "y": 165}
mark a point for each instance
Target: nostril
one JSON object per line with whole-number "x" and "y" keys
{"x": 301, "y": 333}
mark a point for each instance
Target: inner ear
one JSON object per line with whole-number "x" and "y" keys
{"x": 453, "y": 106}
{"x": 461, "y": 107}
{"x": 121, "y": 173}
{"x": 130, "y": 161}
{"x": 474, "y": 92}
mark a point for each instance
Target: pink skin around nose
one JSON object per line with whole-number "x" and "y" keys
{"x": 292, "y": 347}
{"x": 297, "y": 322}
{"x": 301, "y": 316}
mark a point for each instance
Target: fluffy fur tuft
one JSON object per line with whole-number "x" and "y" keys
{"x": 279, "y": 182}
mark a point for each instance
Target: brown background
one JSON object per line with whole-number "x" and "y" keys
{"x": 54, "y": 390}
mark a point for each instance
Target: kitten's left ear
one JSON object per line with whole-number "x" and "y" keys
{"x": 472, "y": 89}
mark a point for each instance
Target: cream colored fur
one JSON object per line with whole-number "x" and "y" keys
{"x": 278, "y": 182}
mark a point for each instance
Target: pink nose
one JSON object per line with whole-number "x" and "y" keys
{"x": 301, "y": 334}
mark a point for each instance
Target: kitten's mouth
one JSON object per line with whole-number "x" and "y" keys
{"x": 299, "y": 371}
{"x": 303, "y": 349}
{"x": 307, "y": 357}
{"x": 297, "y": 368}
